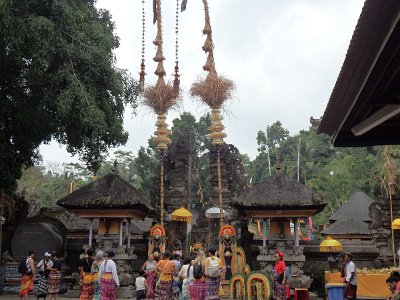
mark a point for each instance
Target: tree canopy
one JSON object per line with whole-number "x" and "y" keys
{"x": 332, "y": 173}
{"x": 58, "y": 80}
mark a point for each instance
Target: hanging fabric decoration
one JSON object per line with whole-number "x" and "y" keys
{"x": 259, "y": 229}
{"x": 310, "y": 228}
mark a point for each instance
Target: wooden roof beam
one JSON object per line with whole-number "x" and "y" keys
{"x": 382, "y": 115}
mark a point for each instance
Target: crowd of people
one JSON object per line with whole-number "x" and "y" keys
{"x": 348, "y": 274}
{"x": 98, "y": 276}
{"x": 49, "y": 274}
{"x": 172, "y": 277}
{"x": 166, "y": 276}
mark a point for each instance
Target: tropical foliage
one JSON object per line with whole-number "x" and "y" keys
{"x": 333, "y": 173}
{"x": 58, "y": 81}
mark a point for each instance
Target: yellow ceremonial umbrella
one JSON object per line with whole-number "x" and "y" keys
{"x": 330, "y": 245}
{"x": 181, "y": 215}
{"x": 396, "y": 224}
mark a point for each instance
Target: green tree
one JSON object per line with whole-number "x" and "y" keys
{"x": 58, "y": 80}
{"x": 269, "y": 147}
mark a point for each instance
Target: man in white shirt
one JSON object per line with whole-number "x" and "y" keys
{"x": 108, "y": 277}
{"x": 350, "y": 291}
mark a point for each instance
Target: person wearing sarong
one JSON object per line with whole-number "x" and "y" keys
{"x": 165, "y": 269}
{"x": 148, "y": 267}
{"x": 175, "y": 277}
{"x": 213, "y": 281}
{"x": 108, "y": 277}
{"x": 54, "y": 277}
{"x": 85, "y": 270}
{"x": 43, "y": 268}
{"x": 95, "y": 270}
{"x": 28, "y": 277}
{"x": 197, "y": 286}
{"x": 279, "y": 277}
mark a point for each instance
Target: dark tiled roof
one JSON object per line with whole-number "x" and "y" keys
{"x": 280, "y": 192}
{"x": 347, "y": 227}
{"x": 108, "y": 192}
{"x": 357, "y": 207}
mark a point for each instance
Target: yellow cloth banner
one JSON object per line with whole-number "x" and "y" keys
{"x": 368, "y": 285}
{"x": 332, "y": 277}
{"x": 372, "y": 285}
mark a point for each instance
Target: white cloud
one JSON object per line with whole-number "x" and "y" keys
{"x": 284, "y": 57}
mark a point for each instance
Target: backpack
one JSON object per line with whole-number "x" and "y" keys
{"x": 213, "y": 267}
{"x": 197, "y": 271}
{"x": 23, "y": 267}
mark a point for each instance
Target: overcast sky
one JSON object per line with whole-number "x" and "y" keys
{"x": 283, "y": 55}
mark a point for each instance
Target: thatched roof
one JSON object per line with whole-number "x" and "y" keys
{"x": 108, "y": 192}
{"x": 347, "y": 227}
{"x": 357, "y": 207}
{"x": 279, "y": 192}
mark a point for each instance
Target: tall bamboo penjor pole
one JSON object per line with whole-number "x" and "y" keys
{"x": 161, "y": 97}
{"x": 213, "y": 90}
{"x": 217, "y": 135}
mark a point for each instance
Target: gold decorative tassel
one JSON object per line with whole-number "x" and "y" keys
{"x": 160, "y": 137}
{"x": 216, "y": 129}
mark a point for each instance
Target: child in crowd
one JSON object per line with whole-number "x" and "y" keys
{"x": 175, "y": 284}
{"x": 141, "y": 285}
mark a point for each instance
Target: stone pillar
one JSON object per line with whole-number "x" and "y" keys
{"x": 129, "y": 233}
{"x": 296, "y": 233}
{"x": 120, "y": 232}
{"x": 90, "y": 232}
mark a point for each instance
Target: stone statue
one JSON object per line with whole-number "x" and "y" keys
{"x": 121, "y": 249}
{"x": 108, "y": 246}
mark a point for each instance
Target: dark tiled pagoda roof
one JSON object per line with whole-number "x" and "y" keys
{"x": 279, "y": 192}
{"x": 108, "y": 192}
{"x": 357, "y": 207}
{"x": 347, "y": 227}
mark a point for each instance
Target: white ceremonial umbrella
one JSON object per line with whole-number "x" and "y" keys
{"x": 214, "y": 213}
